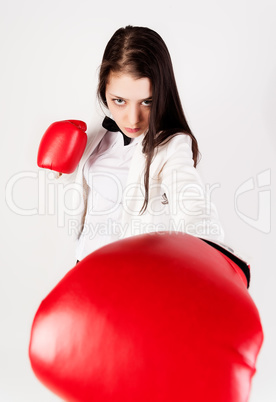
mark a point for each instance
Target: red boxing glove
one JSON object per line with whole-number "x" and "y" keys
{"x": 155, "y": 317}
{"x": 62, "y": 146}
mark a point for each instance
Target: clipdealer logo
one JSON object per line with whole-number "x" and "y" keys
{"x": 260, "y": 193}
{"x": 51, "y": 198}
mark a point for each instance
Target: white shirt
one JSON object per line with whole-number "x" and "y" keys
{"x": 106, "y": 172}
{"x": 112, "y": 163}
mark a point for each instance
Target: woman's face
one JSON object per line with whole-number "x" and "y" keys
{"x": 129, "y": 101}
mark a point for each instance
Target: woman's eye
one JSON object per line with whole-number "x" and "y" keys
{"x": 119, "y": 102}
{"x": 147, "y": 103}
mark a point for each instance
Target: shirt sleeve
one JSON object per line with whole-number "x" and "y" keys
{"x": 189, "y": 200}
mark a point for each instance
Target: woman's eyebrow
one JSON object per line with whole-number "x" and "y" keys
{"x": 116, "y": 96}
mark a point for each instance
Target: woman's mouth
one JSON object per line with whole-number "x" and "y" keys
{"x": 132, "y": 130}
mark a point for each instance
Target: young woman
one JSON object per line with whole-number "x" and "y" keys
{"x": 138, "y": 171}
{"x": 141, "y": 176}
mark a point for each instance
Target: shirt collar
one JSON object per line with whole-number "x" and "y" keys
{"x": 110, "y": 125}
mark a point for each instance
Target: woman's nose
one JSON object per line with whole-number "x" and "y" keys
{"x": 133, "y": 115}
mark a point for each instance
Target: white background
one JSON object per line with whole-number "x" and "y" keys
{"x": 224, "y": 58}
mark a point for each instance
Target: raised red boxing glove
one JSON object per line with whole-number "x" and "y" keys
{"x": 152, "y": 318}
{"x": 62, "y": 146}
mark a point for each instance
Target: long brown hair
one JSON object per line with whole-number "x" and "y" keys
{"x": 141, "y": 52}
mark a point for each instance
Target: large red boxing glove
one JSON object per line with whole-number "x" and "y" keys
{"x": 62, "y": 146}
{"x": 152, "y": 318}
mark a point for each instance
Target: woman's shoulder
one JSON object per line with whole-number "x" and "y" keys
{"x": 177, "y": 147}
{"x": 181, "y": 138}
{"x": 178, "y": 142}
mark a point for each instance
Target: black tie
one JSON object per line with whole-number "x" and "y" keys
{"x": 110, "y": 125}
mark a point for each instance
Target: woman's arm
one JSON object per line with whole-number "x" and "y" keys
{"x": 191, "y": 206}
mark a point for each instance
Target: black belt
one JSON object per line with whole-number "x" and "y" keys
{"x": 241, "y": 264}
